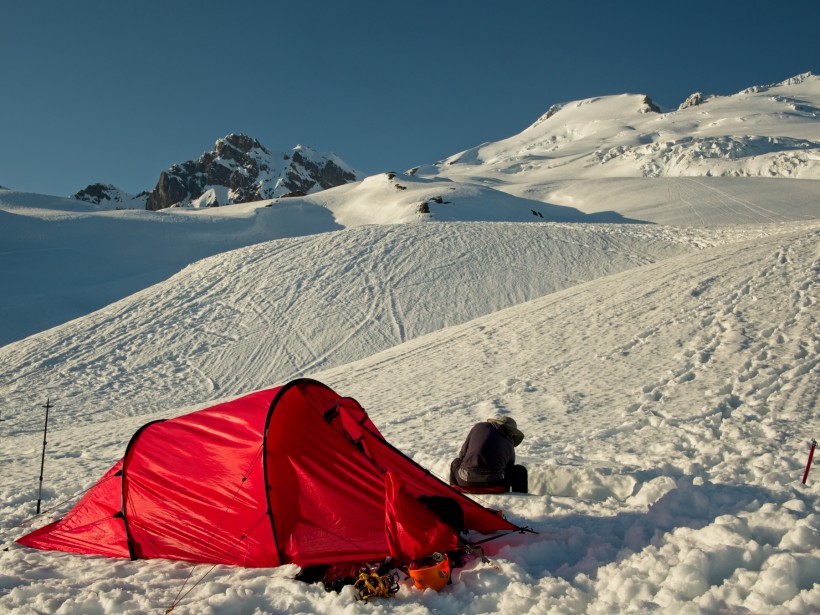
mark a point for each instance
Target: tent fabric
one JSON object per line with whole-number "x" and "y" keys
{"x": 293, "y": 474}
{"x": 327, "y": 505}
{"x": 92, "y": 526}
{"x": 192, "y": 486}
{"x": 413, "y": 530}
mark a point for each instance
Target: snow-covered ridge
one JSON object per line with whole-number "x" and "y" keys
{"x": 763, "y": 131}
{"x": 796, "y": 80}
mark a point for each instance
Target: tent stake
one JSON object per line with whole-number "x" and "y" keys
{"x": 48, "y": 406}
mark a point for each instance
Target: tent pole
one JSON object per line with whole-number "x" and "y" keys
{"x": 43, "y": 458}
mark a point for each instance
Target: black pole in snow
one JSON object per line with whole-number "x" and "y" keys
{"x": 43, "y": 458}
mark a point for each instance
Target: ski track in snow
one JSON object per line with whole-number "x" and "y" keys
{"x": 270, "y": 312}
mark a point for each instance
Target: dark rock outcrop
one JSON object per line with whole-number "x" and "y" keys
{"x": 106, "y": 194}
{"x": 249, "y": 172}
{"x": 649, "y": 105}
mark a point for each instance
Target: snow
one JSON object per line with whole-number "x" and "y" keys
{"x": 762, "y": 132}
{"x": 665, "y": 371}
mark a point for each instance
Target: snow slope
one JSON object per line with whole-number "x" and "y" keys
{"x": 61, "y": 258}
{"x": 666, "y": 374}
{"x": 701, "y": 201}
{"x": 281, "y": 309}
{"x": 667, "y": 407}
{"x": 670, "y": 407}
{"x": 607, "y": 159}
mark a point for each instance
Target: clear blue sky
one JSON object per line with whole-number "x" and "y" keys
{"x": 115, "y": 92}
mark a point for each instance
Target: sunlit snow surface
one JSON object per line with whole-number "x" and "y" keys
{"x": 666, "y": 376}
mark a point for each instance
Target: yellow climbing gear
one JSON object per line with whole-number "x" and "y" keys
{"x": 371, "y": 585}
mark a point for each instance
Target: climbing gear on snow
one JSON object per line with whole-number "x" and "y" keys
{"x": 432, "y": 571}
{"x": 371, "y": 585}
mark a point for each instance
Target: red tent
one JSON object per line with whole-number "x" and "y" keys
{"x": 294, "y": 474}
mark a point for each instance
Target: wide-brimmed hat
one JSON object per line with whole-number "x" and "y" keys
{"x": 508, "y": 425}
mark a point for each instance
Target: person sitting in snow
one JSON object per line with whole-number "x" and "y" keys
{"x": 487, "y": 457}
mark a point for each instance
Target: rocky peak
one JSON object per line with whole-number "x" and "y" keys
{"x": 550, "y": 112}
{"x": 95, "y": 193}
{"x": 649, "y": 105}
{"x": 249, "y": 172}
{"x": 692, "y": 101}
{"x": 235, "y": 146}
{"x": 316, "y": 168}
{"x": 106, "y": 194}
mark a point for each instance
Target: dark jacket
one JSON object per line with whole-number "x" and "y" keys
{"x": 486, "y": 454}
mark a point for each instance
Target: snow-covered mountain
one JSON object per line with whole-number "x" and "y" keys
{"x": 611, "y": 145}
{"x": 515, "y": 180}
{"x": 620, "y": 158}
{"x": 575, "y": 151}
{"x": 665, "y": 374}
{"x": 238, "y": 170}
{"x": 764, "y": 131}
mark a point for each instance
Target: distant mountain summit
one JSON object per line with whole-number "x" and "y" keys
{"x": 765, "y": 131}
{"x": 106, "y": 194}
{"x": 770, "y": 131}
{"x": 238, "y": 170}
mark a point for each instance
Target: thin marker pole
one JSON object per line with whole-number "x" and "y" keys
{"x": 43, "y": 458}
{"x": 808, "y": 465}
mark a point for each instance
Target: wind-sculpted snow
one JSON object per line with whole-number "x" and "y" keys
{"x": 718, "y": 156}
